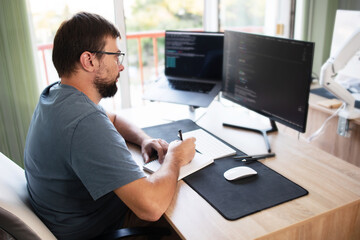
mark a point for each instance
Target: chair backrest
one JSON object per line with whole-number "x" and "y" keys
{"x": 16, "y": 215}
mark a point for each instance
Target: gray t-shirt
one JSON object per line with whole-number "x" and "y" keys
{"x": 74, "y": 159}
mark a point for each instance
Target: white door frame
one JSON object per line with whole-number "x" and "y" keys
{"x": 124, "y": 75}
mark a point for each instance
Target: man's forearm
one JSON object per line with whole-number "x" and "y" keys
{"x": 129, "y": 131}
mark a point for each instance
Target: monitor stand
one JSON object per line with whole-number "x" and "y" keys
{"x": 262, "y": 131}
{"x": 195, "y": 113}
{"x": 177, "y": 112}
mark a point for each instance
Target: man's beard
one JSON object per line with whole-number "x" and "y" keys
{"x": 105, "y": 89}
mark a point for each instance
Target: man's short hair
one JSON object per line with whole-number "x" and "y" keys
{"x": 83, "y": 32}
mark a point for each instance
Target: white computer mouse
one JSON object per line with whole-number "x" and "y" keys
{"x": 239, "y": 172}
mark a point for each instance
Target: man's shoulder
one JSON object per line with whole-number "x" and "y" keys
{"x": 64, "y": 107}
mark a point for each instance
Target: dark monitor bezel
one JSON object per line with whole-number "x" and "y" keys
{"x": 301, "y": 128}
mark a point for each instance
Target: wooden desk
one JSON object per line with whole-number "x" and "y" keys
{"x": 330, "y": 211}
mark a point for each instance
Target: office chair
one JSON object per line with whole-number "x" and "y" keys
{"x": 18, "y": 221}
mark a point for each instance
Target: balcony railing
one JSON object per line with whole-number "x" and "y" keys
{"x": 42, "y": 48}
{"x": 154, "y": 36}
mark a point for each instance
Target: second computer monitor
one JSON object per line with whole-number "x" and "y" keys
{"x": 269, "y": 75}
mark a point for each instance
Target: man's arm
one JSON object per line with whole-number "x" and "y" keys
{"x": 149, "y": 197}
{"x": 129, "y": 131}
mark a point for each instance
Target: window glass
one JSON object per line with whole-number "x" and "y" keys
{"x": 242, "y": 15}
{"x": 46, "y": 19}
{"x": 143, "y": 20}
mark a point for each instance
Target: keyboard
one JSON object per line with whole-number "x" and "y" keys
{"x": 209, "y": 145}
{"x": 191, "y": 86}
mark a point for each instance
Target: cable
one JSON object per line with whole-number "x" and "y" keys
{"x": 318, "y": 132}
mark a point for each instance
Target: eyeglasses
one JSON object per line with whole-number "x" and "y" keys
{"x": 120, "y": 55}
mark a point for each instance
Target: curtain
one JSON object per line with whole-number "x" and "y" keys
{"x": 18, "y": 86}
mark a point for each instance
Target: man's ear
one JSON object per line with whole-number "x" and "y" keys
{"x": 88, "y": 61}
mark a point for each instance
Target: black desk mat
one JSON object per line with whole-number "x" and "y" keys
{"x": 323, "y": 93}
{"x": 238, "y": 198}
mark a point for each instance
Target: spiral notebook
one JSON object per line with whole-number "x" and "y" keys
{"x": 208, "y": 145}
{"x": 199, "y": 161}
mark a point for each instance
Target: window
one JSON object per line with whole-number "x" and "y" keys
{"x": 270, "y": 17}
{"x": 46, "y": 19}
{"x": 248, "y": 16}
{"x": 146, "y": 22}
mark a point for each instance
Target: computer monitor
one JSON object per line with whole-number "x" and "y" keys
{"x": 268, "y": 75}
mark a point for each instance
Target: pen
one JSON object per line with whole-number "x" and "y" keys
{"x": 181, "y": 138}
{"x": 180, "y": 135}
{"x": 252, "y": 159}
{"x": 261, "y": 156}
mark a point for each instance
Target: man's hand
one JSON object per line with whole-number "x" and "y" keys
{"x": 182, "y": 151}
{"x": 152, "y": 146}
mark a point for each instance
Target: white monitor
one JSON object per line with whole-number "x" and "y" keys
{"x": 347, "y": 22}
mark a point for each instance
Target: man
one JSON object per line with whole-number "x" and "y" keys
{"x": 81, "y": 177}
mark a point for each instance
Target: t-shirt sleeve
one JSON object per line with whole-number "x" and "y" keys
{"x": 100, "y": 157}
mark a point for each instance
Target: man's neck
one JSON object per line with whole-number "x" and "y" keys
{"x": 84, "y": 85}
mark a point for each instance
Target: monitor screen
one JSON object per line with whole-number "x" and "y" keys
{"x": 194, "y": 54}
{"x": 269, "y": 75}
